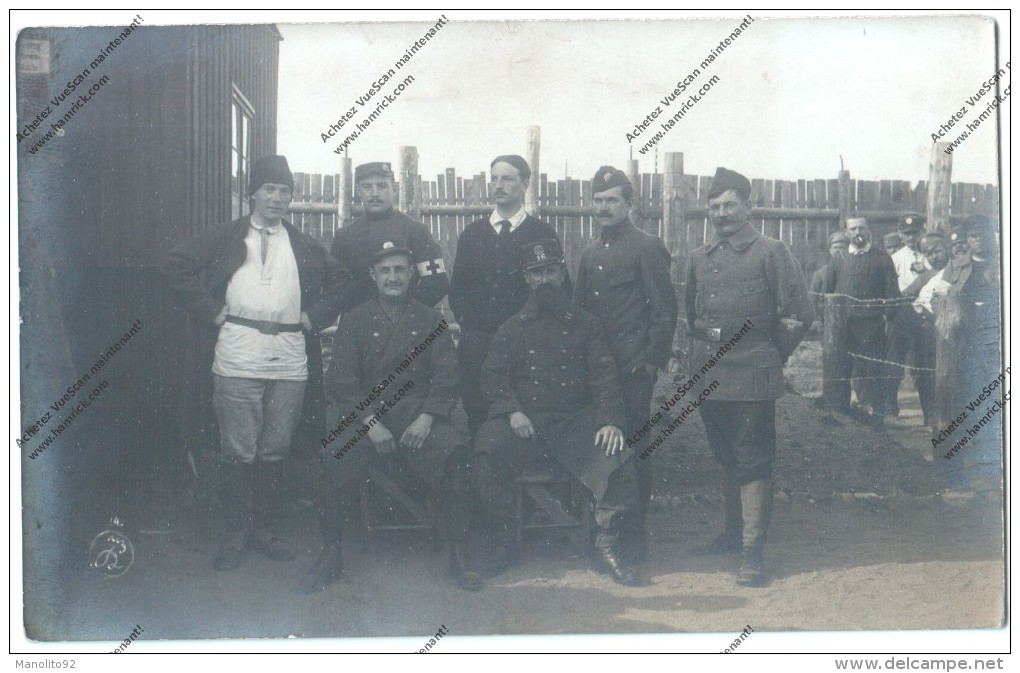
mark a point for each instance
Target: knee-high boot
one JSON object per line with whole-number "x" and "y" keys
{"x": 330, "y": 565}
{"x": 756, "y": 500}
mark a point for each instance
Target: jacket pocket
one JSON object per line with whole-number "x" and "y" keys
{"x": 621, "y": 278}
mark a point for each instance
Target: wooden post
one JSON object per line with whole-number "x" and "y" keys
{"x": 631, "y": 170}
{"x": 409, "y": 199}
{"x": 949, "y": 349}
{"x": 939, "y": 188}
{"x": 674, "y": 233}
{"x": 835, "y": 378}
{"x": 534, "y": 146}
{"x": 845, "y": 198}
{"x": 344, "y": 192}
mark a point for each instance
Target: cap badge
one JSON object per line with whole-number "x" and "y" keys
{"x": 539, "y": 253}
{"x": 387, "y": 245}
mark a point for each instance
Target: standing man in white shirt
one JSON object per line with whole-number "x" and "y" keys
{"x": 268, "y": 289}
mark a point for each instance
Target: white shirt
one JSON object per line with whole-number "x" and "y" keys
{"x": 515, "y": 221}
{"x": 854, "y": 250}
{"x": 269, "y": 291}
{"x": 934, "y": 286}
{"x": 903, "y": 259}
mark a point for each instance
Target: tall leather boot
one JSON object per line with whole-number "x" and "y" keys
{"x": 756, "y": 499}
{"x": 330, "y": 565}
{"x": 236, "y": 491}
{"x": 607, "y": 559}
{"x": 730, "y": 539}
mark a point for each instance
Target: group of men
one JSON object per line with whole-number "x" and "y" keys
{"x": 554, "y": 374}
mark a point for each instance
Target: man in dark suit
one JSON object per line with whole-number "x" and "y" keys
{"x": 268, "y": 289}
{"x": 556, "y": 395}
{"x": 624, "y": 281}
{"x": 393, "y": 379}
{"x": 487, "y": 287}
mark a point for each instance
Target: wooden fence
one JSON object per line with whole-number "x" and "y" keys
{"x": 802, "y": 213}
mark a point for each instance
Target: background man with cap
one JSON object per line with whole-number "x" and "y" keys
{"x": 382, "y": 222}
{"x": 624, "y": 280}
{"x": 487, "y": 287}
{"x": 907, "y": 260}
{"x": 555, "y": 394}
{"x": 839, "y": 244}
{"x": 867, "y": 280}
{"x": 739, "y": 278}
{"x": 958, "y": 242}
{"x": 268, "y": 289}
{"x": 394, "y": 376}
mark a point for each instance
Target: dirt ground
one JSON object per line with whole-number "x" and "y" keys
{"x": 859, "y": 540}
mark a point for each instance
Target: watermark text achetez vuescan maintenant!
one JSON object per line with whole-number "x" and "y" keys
{"x": 433, "y": 640}
{"x": 57, "y": 127}
{"x": 369, "y": 423}
{"x": 973, "y": 101}
{"x": 135, "y": 632}
{"x": 73, "y": 390}
{"x": 681, "y": 392}
{"x": 667, "y": 101}
{"x": 988, "y": 414}
{"x": 377, "y": 86}
{"x": 739, "y": 639}
{"x": 376, "y": 391}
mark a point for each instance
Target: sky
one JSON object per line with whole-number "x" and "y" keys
{"x": 794, "y": 96}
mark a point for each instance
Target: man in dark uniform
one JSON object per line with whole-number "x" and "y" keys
{"x": 393, "y": 379}
{"x": 741, "y": 278}
{"x": 958, "y": 242}
{"x": 909, "y": 263}
{"x": 555, "y": 394}
{"x": 268, "y": 290}
{"x": 487, "y": 287}
{"x": 624, "y": 281}
{"x": 382, "y": 222}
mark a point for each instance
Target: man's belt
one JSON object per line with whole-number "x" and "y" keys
{"x": 265, "y": 326}
{"x": 719, "y": 334}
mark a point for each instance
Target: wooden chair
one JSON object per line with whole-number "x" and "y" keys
{"x": 538, "y": 509}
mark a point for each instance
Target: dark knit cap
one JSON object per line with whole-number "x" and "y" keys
{"x": 541, "y": 253}
{"x": 911, "y": 222}
{"x": 272, "y": 169}
{"x": 608, "y": 177}
{"x": 380, "y": 168}
{"x": 517, "y": 162}
{"x": 725, "y": 179}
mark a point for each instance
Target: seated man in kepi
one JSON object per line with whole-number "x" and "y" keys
{"x": 556, "y": 395}
{"x": 394, "y": 380}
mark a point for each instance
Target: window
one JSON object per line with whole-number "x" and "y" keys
{"x": 242, "y": 123}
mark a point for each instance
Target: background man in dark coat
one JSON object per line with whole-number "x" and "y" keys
{"x": 741, "y": 278}
{"x": 867, "y": 281}
{"x": 393, "y": 379}
{"x": 624, "y": 281}
{"x": 487, "y": 286}
{"x": 382, "y": 222}
{"x": 268, "y": 289}
{"x": 554, "y": 387}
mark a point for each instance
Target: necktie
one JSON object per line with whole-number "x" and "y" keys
{"x": 265, "y": 234}
{"x": 504, "y": 228}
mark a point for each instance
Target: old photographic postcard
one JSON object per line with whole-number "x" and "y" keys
{"x": 815, "y": 304}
